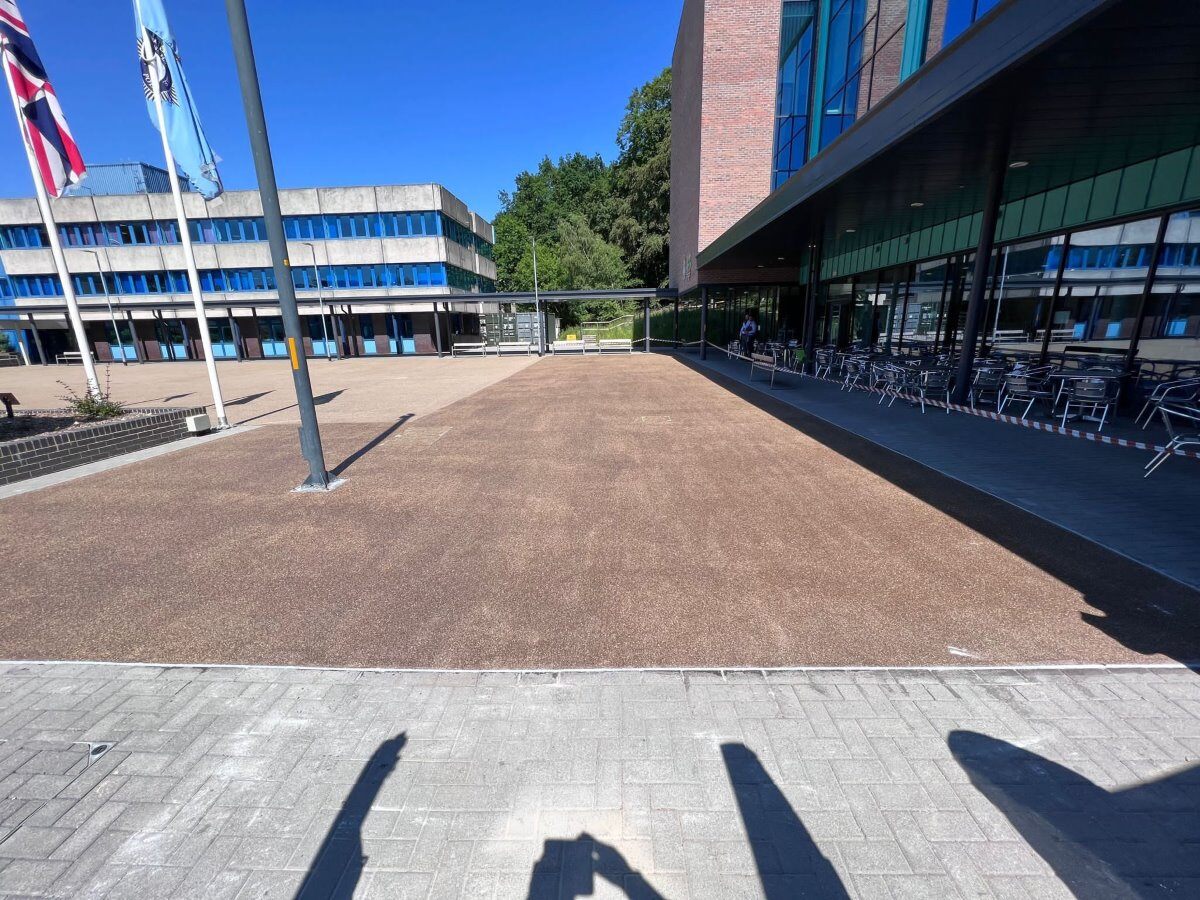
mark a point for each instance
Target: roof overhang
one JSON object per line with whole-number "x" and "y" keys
{"x": 1082, "y": 86}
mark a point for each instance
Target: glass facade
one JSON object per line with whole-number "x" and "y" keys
{"x": 249, "y": 229}
{"x": 1079, "y": 288}
{"x": 253, "y": 279}
{"x": 837, "y": 59}
{"x": 794, "y": 88}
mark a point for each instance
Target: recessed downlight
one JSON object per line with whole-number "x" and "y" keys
{"x": 1018, "y": 164}
{"x": 916, "y": 204}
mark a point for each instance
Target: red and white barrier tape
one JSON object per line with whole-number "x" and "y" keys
{"x": 1001, "y": 417}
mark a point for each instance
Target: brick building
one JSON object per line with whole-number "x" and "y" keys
{"x": 953, "y": 173}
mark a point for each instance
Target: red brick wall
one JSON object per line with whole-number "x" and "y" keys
{"x": 724, "y": 75}
{"x": 686, "y": 95}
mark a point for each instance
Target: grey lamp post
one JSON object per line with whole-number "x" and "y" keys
{"x": 108, "y": 300}
{"x": 537, "y": 302}
{"x": 321, "y": 301}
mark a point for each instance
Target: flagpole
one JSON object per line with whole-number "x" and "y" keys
{"x": 60, "y": 261}
{"x": 185, "y": 236}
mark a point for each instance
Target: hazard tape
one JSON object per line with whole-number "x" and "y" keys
{"x": 1000, "y": 417}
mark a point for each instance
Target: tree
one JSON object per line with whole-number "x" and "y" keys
{"x": 642, "y": 182}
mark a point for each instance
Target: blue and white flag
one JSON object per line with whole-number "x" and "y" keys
{"x": 162, "y": 76}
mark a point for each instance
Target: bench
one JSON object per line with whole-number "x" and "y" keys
{"x": 1057, "y": 334}
{"x": 615, "y": 345}
{"x": 765, "y": 363}
{"x": 568, "y": 347}
{"x": 525, "y": 347}
{"x": 1014, "y": 334}
{"x": 473, "y": 349}
{"x": 69, "y": 356}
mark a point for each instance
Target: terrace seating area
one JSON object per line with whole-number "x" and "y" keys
{"x": 1154, "y": 401}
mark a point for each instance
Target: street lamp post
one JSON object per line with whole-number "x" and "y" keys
{"x": 537, "y": 303}
{"x": 108, "y": 300}
{"x": 321, "y": 303}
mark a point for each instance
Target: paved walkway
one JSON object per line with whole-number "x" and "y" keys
{"x": 1094, "y": 490}
{"x": 185, "y": 782}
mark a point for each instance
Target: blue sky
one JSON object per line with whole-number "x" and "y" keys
{"x": 364, "y": 91}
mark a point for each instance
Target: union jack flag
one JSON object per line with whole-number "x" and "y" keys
{"x": 41, "y": 118}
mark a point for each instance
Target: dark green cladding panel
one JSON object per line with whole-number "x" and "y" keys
{"x": 1079, "y": 198}
{"x": 975, "y": 228}
{"x": 935, "y": 238}
{"x": 1135, "y": 188}
{"x": 1052, "y": 210}
{"x": 1104, "y": 195}
{"x": 1191, "y": 185}
{"x": 1031, "y": 216}
{"x": 1011, "y": 226}
{"x": 923, "y": 243}
{"x": 1170, "y": 173}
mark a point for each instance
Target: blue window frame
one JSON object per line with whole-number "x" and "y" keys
{"x": 793, "y": 93}
{"x": 961, "y": 14}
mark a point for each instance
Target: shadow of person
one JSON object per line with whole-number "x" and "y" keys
{"x": 788, "y": 861}
{"x": 1142, "y": 841}
{"x": 338, "y": 863}
{"x": 568, "y": 869}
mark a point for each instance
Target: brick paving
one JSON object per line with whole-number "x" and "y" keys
{"x": 268, "y": 782}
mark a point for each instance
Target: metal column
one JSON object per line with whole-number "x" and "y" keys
{"x": 1052, "y": 301}
{"x": 1139, "y": 320}
{"x": 646, "y": 318}
{"x": 977, "y": 304}
{"x": 704, "y": 323}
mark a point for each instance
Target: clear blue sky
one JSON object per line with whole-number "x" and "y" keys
{"x": 364, "y": 91}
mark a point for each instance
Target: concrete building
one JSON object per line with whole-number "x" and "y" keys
{"x": 962, "y": 173}
{"x": 370, "y": 266}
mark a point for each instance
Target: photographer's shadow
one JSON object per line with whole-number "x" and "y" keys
{"x": 568, "y": 869}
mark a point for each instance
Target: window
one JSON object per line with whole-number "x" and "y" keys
{"x": 793, "y": 93}
{"x": 21, "y": 237}
{"x": 960, "y": 14}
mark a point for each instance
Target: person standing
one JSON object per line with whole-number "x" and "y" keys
{"x": 747, "y": 334}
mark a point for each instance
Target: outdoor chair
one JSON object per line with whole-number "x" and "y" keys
{"x": 893, "y": 383}
{"x": 922, "y": 385}
{"x": 1184, "y": 390}
{"x": 987, "y": 386}
{"x": 824, "y": 363}
{"x": 1190, "y": 413}
{"x": 1093, "y": 393}
{"x": 858, "y": 370}
{"x": 1028, "y": 389}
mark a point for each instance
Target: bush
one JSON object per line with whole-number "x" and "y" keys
{"x": 93, "y": 407}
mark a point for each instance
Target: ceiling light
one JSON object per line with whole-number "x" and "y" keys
{"x": 780, "y": 259}
{"x": 916, "y": 204}
{"x": 761, "y": 266}
{"x": 1018, "y": 164}
{"x": 850, "y": 230}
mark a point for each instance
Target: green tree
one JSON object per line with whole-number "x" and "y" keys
{"x": 642, "y": 182}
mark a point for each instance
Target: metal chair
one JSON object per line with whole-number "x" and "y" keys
{"x": 1184, "y": 390}
{"x": 1189, "y": 412}
{"x": 824, "y": 363}
{"x": 1094, "y": 393}
{"x": 1028, "y": 389}
{"x": 987, "y": 382}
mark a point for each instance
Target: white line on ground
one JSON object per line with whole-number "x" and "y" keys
{"x": 1023, "y": 667}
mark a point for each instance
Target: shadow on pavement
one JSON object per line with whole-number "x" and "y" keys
{"x": 568, "y": 869}
{"x": 249, "y": 398}
{"x": 369, "y": 446}
{"x": 338, "y": 864}
{"x": 1143, "y": 610}
{"x": 1143, "y": 841}
{"x": 788, "y": 861}
{"x": 320, "y": 400}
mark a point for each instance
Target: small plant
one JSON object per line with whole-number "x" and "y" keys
{"x": 91, "y": 406}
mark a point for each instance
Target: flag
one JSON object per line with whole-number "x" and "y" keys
{"x": 43, "y": 127}
{"x": 162, "y": 76}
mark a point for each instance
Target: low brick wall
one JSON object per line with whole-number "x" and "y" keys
{"x": 34, "y": 456}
